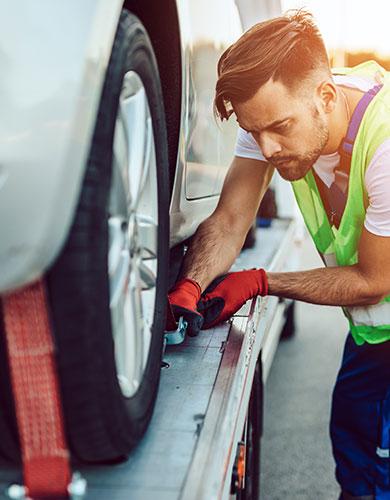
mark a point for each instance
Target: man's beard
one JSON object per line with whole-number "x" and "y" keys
{"x": 299, "y": 165}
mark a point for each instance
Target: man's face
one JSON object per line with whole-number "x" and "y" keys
{"x": 289, "y": 126}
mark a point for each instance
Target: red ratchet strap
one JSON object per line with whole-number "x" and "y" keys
{"x": 34, "y": 380}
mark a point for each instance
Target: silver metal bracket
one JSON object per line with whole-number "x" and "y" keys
{"x": 77, "y": 489}
{"x": 383, "y": 452}
{"x": 177, "y": 336}
{"x": 16, "y": 492}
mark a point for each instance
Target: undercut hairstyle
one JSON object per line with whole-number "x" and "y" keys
{"x": 288, "y": 49}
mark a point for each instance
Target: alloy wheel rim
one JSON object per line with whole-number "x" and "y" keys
{"x": 133, "y": 240}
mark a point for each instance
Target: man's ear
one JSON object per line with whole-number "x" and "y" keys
{"x": 327, "y": 93}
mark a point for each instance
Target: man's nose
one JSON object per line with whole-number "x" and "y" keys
{"x": 268, "y": 145}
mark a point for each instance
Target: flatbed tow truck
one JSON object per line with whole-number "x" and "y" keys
{"x": 203, "y": 441}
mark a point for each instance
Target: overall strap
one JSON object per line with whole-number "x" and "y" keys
{"x": 335, "y": 197}
{"x": 346, "y": 148}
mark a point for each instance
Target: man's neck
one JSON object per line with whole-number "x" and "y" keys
{"x": 347, "y": 101}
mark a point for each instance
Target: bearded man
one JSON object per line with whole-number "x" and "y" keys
{"x": 328, "y": 132}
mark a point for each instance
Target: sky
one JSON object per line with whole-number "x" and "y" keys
{"x": 351, "y": 24}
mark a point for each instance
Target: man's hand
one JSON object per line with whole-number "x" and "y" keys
{"x": 228, "y": 293}
{"x": 182, "y": 300}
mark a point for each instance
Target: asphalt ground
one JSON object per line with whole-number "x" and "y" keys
{"x": 297, "y": 462}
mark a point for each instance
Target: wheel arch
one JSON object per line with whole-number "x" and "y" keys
{"x": 166, "y": 42}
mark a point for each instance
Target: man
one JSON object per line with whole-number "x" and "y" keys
{"x": 294, "y": 116}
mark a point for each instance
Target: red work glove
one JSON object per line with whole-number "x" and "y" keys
{"x": 228, "y": 293}
{"x": 182, "y": 300}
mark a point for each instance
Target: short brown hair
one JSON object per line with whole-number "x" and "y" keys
{"x": 286, "y": 48}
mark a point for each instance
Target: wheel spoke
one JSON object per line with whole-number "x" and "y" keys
{"x": 121, "y": 145}
{"x": 148, "y": 277}
{"x": 126, "y": 352}
{"x": 119, "y": 278}
{"x": 147, "y": 236}
{"x": 144, "y": 188}
{"x": 119, "y": 200}
{"x": 135, "y": 363}
{"x": 135, "y": 113}
{"x": 118, "y": 257}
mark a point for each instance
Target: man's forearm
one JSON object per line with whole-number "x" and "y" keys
{"x": 212, "y": 251}
{"x": 334, "y": 286}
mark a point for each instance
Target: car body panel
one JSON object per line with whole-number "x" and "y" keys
{"x": 205, "y": 148}
{"x": 50, "y": 89}
{"x": 53, "y": 67}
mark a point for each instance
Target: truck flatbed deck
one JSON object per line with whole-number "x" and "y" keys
{"x": 189, "y": 448}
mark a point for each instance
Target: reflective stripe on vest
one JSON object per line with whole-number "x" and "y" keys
{"x": 375, "y": 315}
{"x": 363, "y": 319}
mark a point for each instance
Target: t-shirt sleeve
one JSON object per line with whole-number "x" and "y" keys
{"x": 247, "y": 147}
{"x": 377, "y": 180}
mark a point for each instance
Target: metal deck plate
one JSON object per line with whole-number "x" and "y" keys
{"x": 158, "y": 467}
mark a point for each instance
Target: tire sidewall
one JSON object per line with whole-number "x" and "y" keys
{"x": 102, "y": 424}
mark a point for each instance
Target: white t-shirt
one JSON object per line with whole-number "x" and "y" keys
{"x": 377, "y": 176}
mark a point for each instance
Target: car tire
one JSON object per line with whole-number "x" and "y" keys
{"x": 103, "y": 422}
{"x": 254, "y": 430}
{"x": 252, "y": 433}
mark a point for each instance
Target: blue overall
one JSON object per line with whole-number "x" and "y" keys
{"x": 360, "y": 420}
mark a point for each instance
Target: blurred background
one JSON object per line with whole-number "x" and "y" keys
{"x": 354, "y": 30}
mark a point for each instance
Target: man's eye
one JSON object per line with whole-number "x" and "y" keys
{"x": 282, "y": 127}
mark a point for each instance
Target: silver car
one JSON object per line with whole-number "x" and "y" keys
{"x": 110, "y": 158}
